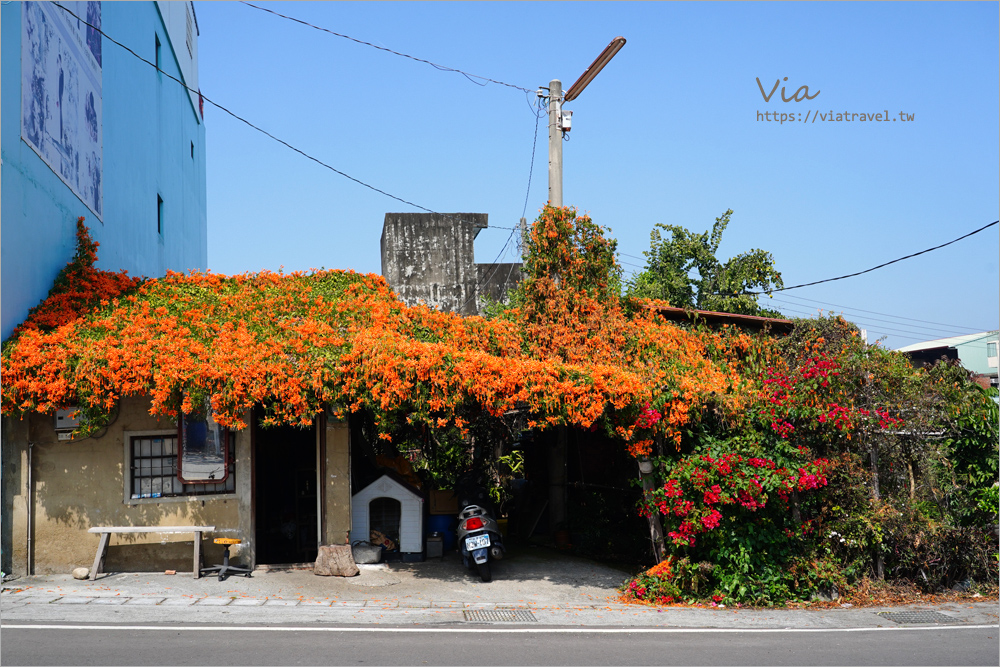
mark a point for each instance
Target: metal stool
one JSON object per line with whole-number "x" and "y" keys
{"x": 225, "y": 569}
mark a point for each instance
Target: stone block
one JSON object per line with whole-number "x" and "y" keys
{"x": 336, "y": 560}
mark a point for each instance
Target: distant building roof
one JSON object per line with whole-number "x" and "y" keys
{"x": 713, "y": 318}
{"x": 950, "y": 342}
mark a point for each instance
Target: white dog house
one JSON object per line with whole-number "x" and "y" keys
{"x": 392, "y": 507}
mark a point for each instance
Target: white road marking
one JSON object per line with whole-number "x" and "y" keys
{"x": 491, "y": 629}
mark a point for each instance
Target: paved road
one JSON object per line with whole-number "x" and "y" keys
{"x": 340, "y": 645}
{"x": 544, "y": 609}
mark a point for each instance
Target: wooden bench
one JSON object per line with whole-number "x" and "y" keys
{"x": 105, "y": 531}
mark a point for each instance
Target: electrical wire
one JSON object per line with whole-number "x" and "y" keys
{"x": 858, "y": 273}
{"x": 935, "y": 331}
{"x": 873, "y": 312}
{"x": 531, "y": 169}
{"x": 495, "y": 264}
{"x": 467, "y": 75}
{"x": 900, "y": 333}
{"x": 250, "y": 124}
{"x": 785, "y": 310}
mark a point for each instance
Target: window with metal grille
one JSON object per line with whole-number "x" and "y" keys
{"x": 153, "y": 468}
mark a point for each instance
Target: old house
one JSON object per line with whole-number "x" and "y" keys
{"x": 282, "y": 491}
{"x": 252, "y": 343}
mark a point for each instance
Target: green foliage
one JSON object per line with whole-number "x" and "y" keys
{"x": 971, "y": 445}
{"x": 443, "y": 455}
{"x": 842, "y": 461}
{"x": 682, "y": 268}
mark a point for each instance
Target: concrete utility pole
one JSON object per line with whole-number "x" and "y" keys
{"x": 559, "y": 122}
{"x": 555, "y": 142}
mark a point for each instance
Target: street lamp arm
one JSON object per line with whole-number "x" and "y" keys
{"x": 595, "y": 68}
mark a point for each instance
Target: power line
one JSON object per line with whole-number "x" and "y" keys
{"x": 935, "y": 331}
{"x": 869, "y": 324}
{"x": 873, "y": 312}
{"x": 531, "y": 169}
{"x": 495, "y": 264}
{"x": 876, "y": 329}
{"x": 901, "y": 333}
{"x": 467, "y": 75}
{"x": 250, "y": 124}
{"x": 858, "y": 273}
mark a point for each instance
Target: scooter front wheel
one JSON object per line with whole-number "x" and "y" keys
{"x": 484, "y": 571}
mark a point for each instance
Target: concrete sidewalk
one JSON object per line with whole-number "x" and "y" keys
{"x": 534, "y": 586}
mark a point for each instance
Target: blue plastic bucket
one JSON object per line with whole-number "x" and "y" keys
{"x": 444, "y": 524}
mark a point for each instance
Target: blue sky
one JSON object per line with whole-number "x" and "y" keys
{"x": 668, "y": 132}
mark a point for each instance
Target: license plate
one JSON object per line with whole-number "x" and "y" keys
{"x": 477, "y": 542}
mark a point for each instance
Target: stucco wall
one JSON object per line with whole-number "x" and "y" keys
{"x": 338, "y": 483}
{"x": 80, "y": 484}
{"x": 149, "y": 125}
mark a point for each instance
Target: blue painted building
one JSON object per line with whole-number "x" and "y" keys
{"x": 90, "y": 130}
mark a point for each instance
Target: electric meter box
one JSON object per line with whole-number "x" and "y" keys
{"x": 567, "y": 121}
{"x": 66, "y": 421}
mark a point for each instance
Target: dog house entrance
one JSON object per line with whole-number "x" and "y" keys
{"x": 383, "y": 518}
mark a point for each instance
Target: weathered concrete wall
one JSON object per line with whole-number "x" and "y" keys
{"x": 80, "y": 484}
{"x": 429, "y": 258}
{"x": 496, "y": 280}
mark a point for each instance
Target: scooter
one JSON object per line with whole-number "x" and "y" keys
{"x": 479, "y": 537}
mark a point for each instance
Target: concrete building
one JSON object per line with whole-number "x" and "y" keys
{"x": 976, "y": 352}
{"x": 430, "y": 258}
{"x": 90, "y": 130}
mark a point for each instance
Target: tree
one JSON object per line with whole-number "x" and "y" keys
{"x": 682, "y": 269}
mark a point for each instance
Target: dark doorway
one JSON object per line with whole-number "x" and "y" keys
{"x": 285, "y": 502}
{"x": 384, "y": 515}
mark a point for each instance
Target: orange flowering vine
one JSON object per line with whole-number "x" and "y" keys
{"x": 566, "y": 352}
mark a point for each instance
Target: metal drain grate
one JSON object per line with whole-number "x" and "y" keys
{"x": 500, "y": 615}
{"x": 917, "y": 617}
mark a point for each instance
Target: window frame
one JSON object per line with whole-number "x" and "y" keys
{"x": 227, "y": 455}
{"x": 191, "y": 493}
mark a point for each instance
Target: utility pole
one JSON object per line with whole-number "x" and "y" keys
{"x": 559, "y": 121}
{"x": 559, "y": 124}
{"x": 555, "y": 142}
